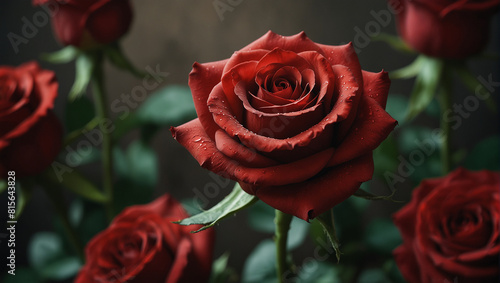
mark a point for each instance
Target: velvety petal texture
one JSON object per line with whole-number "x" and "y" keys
{"x": 89, "y": 22}
{"x": 143, "y": 245}
{"x": 451, "y": 229}
{"x": 294, "y": 122}
{"x": 30, "y": 133}
{"x": 446, "y": 28}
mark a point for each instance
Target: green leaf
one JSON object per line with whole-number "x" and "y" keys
{"x": 22, "y": 275}
{"x": 382, "y": 236}
{"x": 137, "y": 171}
{"x": 65, "y": 55}
{"x": 3, "y": 186}
{"x": 396, "y": 107}
{"x": 76, "y": 183}
{"x": 44, "y": 248}
{"x": 395, "y": 42}
{"x": 171, "y": 105}
{"x": 75, "y": 213}
{"x": 373, "y": 276}
{"x": 234, "y": 202}
{"x": 168, "y": 106}
{"x": 425, "y": 87}
{"x": 221, "y": 273}
{"x": 385, "y": 157}
{"x": 94, "y": 220}
{"x": 411, "y": 138}
{"x": 409, "y": 71}
{"x": 327, "y": 222}
{"x": 117, "y": 57}
{"x": 360, "y": 193}
{"x": 470, "y": 80}
{"x": 485, "y": 155}
{"x": 78, "y": 113}
{"x": 23, "y": 197}
{"x": 83, "y": 73}
{"x": 61, "y": 269}
{"x": 321, "y": 272}
{"x": 260, "y": 266}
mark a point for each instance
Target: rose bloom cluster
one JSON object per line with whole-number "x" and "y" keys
{"x": 293, "y": 121}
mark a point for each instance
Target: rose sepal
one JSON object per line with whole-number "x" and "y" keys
{"x": 237, "y": 200}
{"x": 326, "y": 220}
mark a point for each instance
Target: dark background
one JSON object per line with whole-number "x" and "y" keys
{"x": 173, "y": 35}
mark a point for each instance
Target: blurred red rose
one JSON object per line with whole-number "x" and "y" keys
{"x": 293, "y": 121}
{"x": 445, "y": 28}
{"x": 85, "y": 23}
{"x": 143, "y": 245}
{"x": 30, "y": 133}
{"x": 451, "y": 229}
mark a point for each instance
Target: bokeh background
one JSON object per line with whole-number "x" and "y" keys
{"x": 174, "y": 34}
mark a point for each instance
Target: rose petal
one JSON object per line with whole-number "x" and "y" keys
{"x": 376, "y": 86}
{"x": 295, "y": 43}
{"x": 370, "y": 128}
{"x": 311, "y": 198}
{"x": 239, "y": 153}
{"x": 407, "y": 263}
{"x": 202, "y": 80}
{"x": 68, "y": 23}
{"x": 206, "y": 153}
{"x": 182, "y": 255}
{"x": 109, "y": 21}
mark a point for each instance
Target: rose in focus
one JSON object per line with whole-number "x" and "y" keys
{"x": 451, "y": 229}
{"x": 86, "y": 23}
{"x": 143, "y": 245}
{"x": 293, "y": 121}
{"x": 446, "y": 28}
{"x": 30, "y": 133}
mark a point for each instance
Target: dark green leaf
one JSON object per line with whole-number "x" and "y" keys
{"x": 385, "y": 157}
{"x": 394, "y": 41}
{"x": 78, "y": 113}
{"x": 485, "y": 155}
{"x": 373, "y": 276}
{"x": 65, "y": 55}
{"x": 117, "y": 57}
{"x": 44, "y": 248}
{"x": 470, "y": 80}
{"x": 3, "y": 186}
{"x": 382, "y": 236}
{"x": 425, "y": 87}
{"x": 397, "y": 106}
{"x": 75, "y": 213}
{"x": 392, "y": 270}
{"x": 92, "y": 222}
{"x": 320, "y": 272}
{"x": 414, "y": 138}
{"x": 234, "y": 202}
{"x": 409, "y": 71}
{"x": 221, "y": 272}
{"x": 23, "y": 197}
{"x": 61, "y": 269}
{"x": 83, "y": 73}
{"x": 22, "y": 275}
{"x": 76, "y": 183}
{"x": 327, "y": 222}
{"x": 261, "y": 217}
{"x": 260, "y": 266}
{"x": 168, "y": 106}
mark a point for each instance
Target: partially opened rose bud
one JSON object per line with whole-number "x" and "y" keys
{"x": 30, "y": 133}
{"x": 446, "y": 28}
{"x": 86, "y": 23}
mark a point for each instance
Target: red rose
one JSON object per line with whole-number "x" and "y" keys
{"x": 30, "y": 133}
{"x": 143, "y": 245}
{"x": 451, "y": 229}
{"x": 84, "y": 23}
{"x": 293, "y": 121}
{"x": 445, "y": 28}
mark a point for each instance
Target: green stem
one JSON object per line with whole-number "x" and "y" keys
{"x": 282, "y": 222}
{"x": 102, "y": 115}
{"x": 71, "y": 137}
{"x": 445, "y": 103}
{"x": 58, "y": 203}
